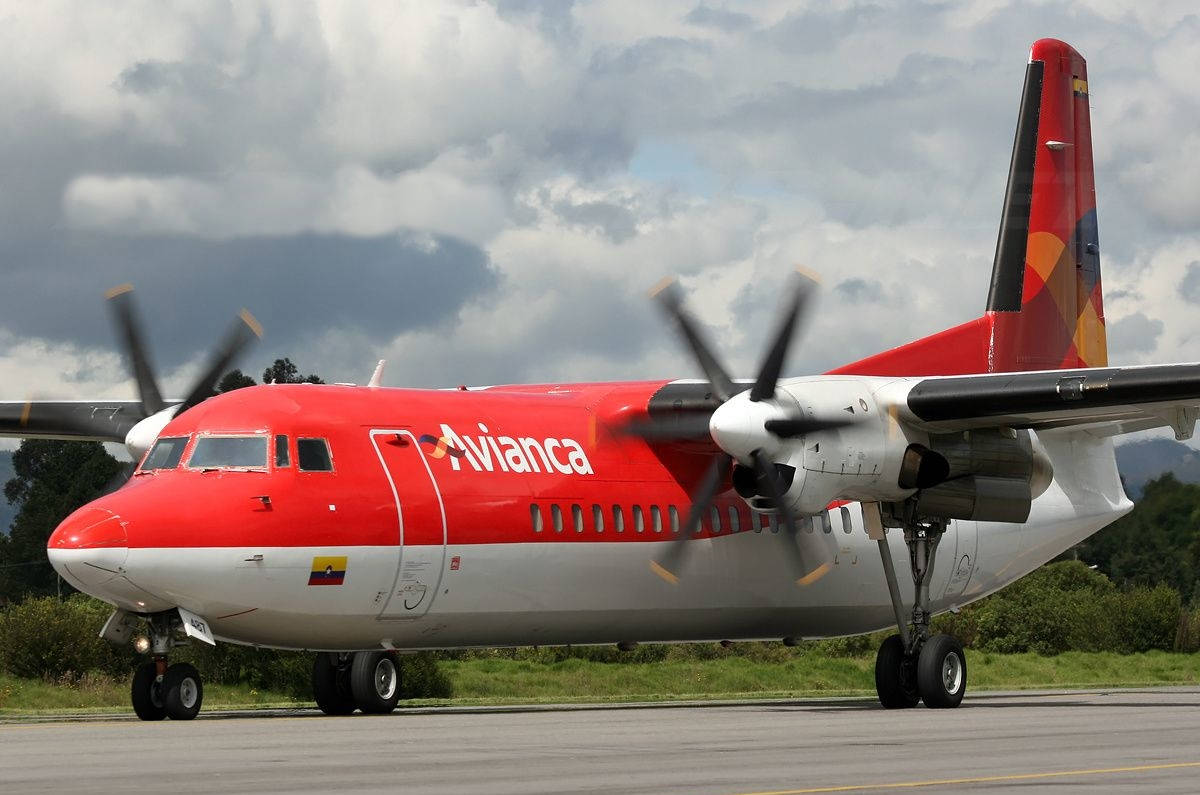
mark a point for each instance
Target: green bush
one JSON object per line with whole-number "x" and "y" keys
{"x": 1066, "y": 606}
{"x": 45, "y": 638}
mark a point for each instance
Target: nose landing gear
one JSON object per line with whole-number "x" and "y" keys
{"x": 160, "y": 690}
{"x": 913, "y": 666}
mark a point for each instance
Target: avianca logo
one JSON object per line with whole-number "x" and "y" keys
{"x": 486, "y": 453}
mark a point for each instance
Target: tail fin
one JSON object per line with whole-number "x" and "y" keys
{"x": 1045, "y": 296}
{"x": 1045, "y": 309}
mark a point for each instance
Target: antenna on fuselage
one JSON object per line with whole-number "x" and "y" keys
{"x": 377, "y": 376}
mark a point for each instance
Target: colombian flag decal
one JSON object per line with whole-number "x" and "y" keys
{"x": 328, "y": 571}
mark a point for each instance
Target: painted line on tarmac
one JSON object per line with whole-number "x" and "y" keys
{"x": 950, "y": 782}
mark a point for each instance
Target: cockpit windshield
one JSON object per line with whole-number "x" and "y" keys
{"x": 229, "y": 452}
{"x": 165, "y": 454}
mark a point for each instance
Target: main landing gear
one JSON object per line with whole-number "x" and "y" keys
{"x": 366, "y": 680}
{"x": 160, "y": 690}
{"x": 914, "y": 666}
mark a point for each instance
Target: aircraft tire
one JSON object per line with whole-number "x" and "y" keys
{"x": 375, "y": 681}
{"x": 331, "y": 685}
{"x": 183, "y": 692}
{"x": 894, "y": 681}
{"x": 942, "y": 672}
{"x": 146, "y": 693}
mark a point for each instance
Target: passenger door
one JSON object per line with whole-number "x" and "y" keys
{"x": 422, "y": 523}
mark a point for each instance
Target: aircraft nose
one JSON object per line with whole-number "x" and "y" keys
{"x": 89, "y": 548}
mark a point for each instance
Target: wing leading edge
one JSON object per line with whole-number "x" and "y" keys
{"x": 77, "y": 420}
{"x": 1108, "y": 400}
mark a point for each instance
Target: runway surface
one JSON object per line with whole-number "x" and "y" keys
{"x": 1113, "y": 741}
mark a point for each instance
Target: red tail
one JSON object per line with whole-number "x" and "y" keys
{"x": 1045, "y": 308}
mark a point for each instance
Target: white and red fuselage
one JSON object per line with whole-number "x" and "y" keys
{"x": 507, "y": 516}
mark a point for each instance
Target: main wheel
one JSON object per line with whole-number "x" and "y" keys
{"x": 894, "y": 680}
{"x": 183, "y": 692}
{"x": 375, "y": 681}
{"x": 146, "y": 693}
{"x": 942, "y": 672}
{"x": 331, "y": 685}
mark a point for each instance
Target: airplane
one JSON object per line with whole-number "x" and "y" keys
{"x": 363, "y": 522}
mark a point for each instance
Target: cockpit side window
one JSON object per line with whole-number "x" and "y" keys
{"x": 165, "y": 454}
{"x": 229, "y": 452}
{"x": 282, "y": 459}
{"x": 313, "y": 455}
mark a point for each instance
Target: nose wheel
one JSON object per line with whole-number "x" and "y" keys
{"x": 914, "y": 666}
{"x": 161, "y": 690}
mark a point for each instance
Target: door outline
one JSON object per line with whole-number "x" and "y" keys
{"x": 422, "y": 607}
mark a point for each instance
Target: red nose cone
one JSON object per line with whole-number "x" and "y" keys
{"x": 90, "y": 527}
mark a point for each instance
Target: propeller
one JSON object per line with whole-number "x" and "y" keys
{"x": 122, "y": 424}
{"x": 758, "y": 426}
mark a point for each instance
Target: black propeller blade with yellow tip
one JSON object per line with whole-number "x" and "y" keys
{"x": 694, "y": 426}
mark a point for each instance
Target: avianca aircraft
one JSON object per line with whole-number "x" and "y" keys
{"x": 363, "y": 522}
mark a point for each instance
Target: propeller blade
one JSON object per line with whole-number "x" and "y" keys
{"x": 812, "y": 565}
{"x": 120, "y": 479}
{"x": 668, "y": 297}
{"x": 244, "y": 332}
{"x": 772, "y": 366}
{"x": 670, "y": 563}
{"x": 679, "y": 427}
{"x": 794, "y": 427}
{"x": 129, "y": 329}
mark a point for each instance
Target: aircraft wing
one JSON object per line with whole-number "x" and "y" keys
{"x": 79, "y": 420}
{"x": 1106, "y": 401}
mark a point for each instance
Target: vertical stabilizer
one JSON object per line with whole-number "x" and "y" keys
{"x": 1045, "y": 298}
{"x": 1044, "y": 308}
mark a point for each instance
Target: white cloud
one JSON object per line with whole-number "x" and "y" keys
{"x": 867, "y": 143}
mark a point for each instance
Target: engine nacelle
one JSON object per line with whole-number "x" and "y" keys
{"x": 859, "y": 461}
{"x": 990, "y": 474}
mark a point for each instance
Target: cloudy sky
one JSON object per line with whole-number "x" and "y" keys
{"x": 483, "y": 192}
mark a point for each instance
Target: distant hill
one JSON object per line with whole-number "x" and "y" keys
{"x": 1139, "y": 462}
{"x": 7, "y": 514}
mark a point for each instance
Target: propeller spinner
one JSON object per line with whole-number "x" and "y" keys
{"x": 748, "y": 425}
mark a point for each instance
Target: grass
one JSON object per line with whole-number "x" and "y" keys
{"x": 514, "y": 681}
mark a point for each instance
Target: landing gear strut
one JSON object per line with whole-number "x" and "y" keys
{"x": 365, "y": 680}
{"x": 914, "y": 666}
{"x": 160, "y": 690}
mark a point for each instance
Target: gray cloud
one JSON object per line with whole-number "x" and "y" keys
{"x": 189, "y": 289}
{"x": 1189, "y": 288}
{"x": 1133, "y": 334}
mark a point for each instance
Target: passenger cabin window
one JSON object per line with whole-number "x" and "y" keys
{"x": 598, "y": 518}
{"x": 535, "y": 516}
{"x": 229, "y": 452}
{"x": 556, "y": 518}
{"x": 715, "y": 520}
{"x": 639, "y": 522}
{"x": 282, "y": 459}
{"x": 673, "y": 518}
{"x": 734, "y": 523}
{"x": 618, "y": 519}
{"x": 165, "y": 454}
{"x": 656, "y": 518}
{"x": 577, "y": 518}
{"x": 313, "y": 455}
{"x": 846, "y": 526}
{"x": 826, "y": 524}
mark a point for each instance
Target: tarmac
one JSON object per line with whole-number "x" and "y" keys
{"x": 1093, "y": 740}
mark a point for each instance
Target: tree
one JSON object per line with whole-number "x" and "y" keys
{"x": 1157, "y": 542}
{"x": 234, "y": 379}
{"x": 53, "y": 478}
{"x": 283, "y": 371}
